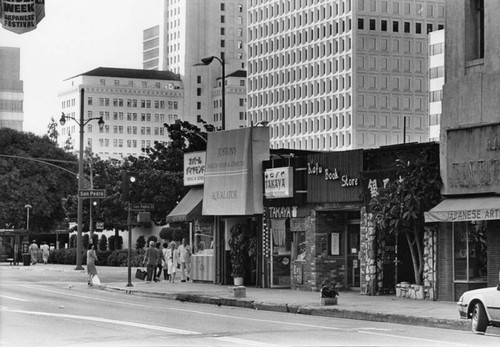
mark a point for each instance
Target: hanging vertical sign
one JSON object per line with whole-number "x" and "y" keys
{"x": 21, "y": 16}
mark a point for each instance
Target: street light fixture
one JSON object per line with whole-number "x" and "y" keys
{"x": 27, "y": 207}
{"x": 82, "y": 122}
{"x": 208, "y": 61}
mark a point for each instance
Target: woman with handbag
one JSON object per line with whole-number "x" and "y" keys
{"x": 91, "y": 259}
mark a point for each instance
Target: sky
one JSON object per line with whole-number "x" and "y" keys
{"x": 77, "y": 36}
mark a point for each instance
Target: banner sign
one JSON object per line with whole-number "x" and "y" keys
{"x": 21, "y": 16}
{"x": 278, "y": 183}
{"x": 194, "y": 168}
{"x": 233, "y": 175}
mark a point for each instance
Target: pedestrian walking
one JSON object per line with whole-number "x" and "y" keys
{"x": 91, "y": 260}
{"x": 172, "y": 260}
{"x": 164, "y": 258}
{"x": 150, "y": 260}
{"x": 159, "y": 265}
{"x": 185, "y": 260}
{"x": 45, "y": 252}
{"x": 33, "y": 252}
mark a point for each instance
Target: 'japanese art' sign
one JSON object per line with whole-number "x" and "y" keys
{"x": 21, "y": 16}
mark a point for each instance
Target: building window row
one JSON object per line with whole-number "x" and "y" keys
{"x": 406, "y": 28}
{"x": 302, "y": 11}
{"x": 130, "y": 83}
{"x": 301, "y": 36}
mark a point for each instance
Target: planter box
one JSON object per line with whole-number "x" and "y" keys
{"x": 328, "y": 301}
{"x": 239, "y": 292}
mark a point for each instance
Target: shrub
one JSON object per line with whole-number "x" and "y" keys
{"x": 120, "y": 257}
{"x": 63, "y": 256}
{"x": 103, "y": 243}
{"x": 86, "y": 241}
{"x": 140, "y": 243}
{"x": 152, "y": 238}
{"x": 72, "y": 241}
{"x": 95, "y": 240}
{"x": 111, "y": 243}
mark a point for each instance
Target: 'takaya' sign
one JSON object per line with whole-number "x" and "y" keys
{"x": 278, "y": 183}
{"x": 21, "y": 16}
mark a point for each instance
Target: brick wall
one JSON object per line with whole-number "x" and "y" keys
{"x": 493, "y": 252}
{"x": 444, "y": 263}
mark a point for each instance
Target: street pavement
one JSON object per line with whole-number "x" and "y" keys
{"x": 351, "y": 304}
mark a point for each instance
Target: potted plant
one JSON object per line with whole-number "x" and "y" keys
{"x": 238, "y": 252}
{"x": 328, "y": 293}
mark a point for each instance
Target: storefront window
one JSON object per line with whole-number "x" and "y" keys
{"x": 299, "y": 246}
{"x": 469, "y": 247}
{"x": 203, "y": 240}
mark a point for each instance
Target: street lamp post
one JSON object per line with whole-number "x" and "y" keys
{"x": 27, "y": 207}
{"x": 81, "y": 124}
{"x": 208, "y": 61}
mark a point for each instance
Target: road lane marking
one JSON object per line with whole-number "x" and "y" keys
{"x": 236, "y": 341}
{"x": 12, "y": 298}
{"x": 252, "y": 319}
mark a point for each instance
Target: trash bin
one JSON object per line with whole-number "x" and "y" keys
{"x": 26, "y": 259}
{"x": 25, "y": 253}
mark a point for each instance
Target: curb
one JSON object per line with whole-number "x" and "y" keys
{"x": 323, "y": 311}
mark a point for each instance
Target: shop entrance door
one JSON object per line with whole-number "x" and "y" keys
{"x": 353, "y": 244}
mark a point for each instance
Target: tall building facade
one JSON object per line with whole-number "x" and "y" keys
{"x": 134, "y": 105}
{"x": 339, "y": 75}
{"x": 436, "y": 81}
{"x": 11, "y": 89}
{"x": 195, "y": 29}
{"x": 152, "y": 48}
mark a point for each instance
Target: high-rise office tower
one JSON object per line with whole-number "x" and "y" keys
{"x": 436, "y": 81}
{"x": 338, "y": 75}
{"x": 11, "y": 89}
{"x": 195, "y": 29}
{"x": 152, "y": 48}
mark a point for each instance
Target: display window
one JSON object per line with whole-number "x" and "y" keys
{"x": 470, "y": 251}
{"x": 203, "y": 238}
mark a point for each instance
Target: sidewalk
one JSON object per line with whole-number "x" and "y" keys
{"x": 351, "y": 305}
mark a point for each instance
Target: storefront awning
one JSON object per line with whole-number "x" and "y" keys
{"x": 188, "y": 208}
{"x": 465, "y": 209}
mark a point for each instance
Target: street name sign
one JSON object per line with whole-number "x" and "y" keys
{"x": 92, "y": 193}
{"x": 142, "y": 206}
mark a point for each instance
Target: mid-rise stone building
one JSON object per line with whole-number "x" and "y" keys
{"x": 134, "y": 105}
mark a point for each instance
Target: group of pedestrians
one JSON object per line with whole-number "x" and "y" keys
{"x": 33, "y": 249}
{"x": 167, "y": 261}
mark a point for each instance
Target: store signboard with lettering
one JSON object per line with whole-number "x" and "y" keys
{"x": 194, "y": 168}
{"x": 334, "y": 177}
{"x": 233, "y": 174}
{"x": 473, "y": 160}
{"x": 278, "y": 183}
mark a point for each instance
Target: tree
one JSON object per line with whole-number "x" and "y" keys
{"x": 38, "y": 173}
{"x": 400, "y": 207}
{"x": 52, "y": 132}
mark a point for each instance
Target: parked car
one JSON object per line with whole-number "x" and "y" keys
{"x": 482, "y": 306}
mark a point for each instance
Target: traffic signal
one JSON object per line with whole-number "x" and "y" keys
{"x": 128, "y": 186}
